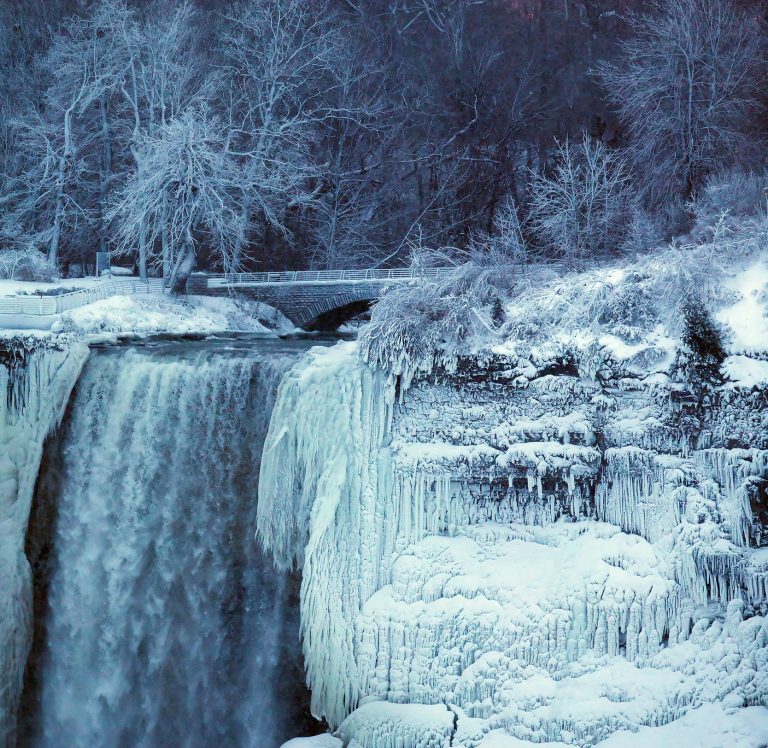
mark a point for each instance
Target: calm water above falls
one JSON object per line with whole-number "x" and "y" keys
{"x": 158, "y": 620}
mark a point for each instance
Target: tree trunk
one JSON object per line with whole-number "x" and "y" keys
{"x": 166, "y": 248}
{"x": 105, "y": 173}
{"x": 53, "y": 247}
{"x": 183, "y": 264}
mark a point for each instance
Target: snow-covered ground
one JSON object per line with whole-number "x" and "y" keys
{"x": 630, "y": 320}
{"x": 177, "y": 315}
{"x": 138, "y": 314}
{"x": 12, "y": 288}
{"x": 746, "y": 318}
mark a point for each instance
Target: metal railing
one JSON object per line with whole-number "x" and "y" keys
{"x": 321, "y": 276}
{"x": 41, "y": 305}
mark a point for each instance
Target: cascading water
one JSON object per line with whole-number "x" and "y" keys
{"x": 159, "y": 621}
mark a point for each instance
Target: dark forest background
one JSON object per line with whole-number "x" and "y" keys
{"x": 346, "y": 133}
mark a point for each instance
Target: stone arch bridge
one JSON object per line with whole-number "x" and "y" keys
{"x": 311, "y": 299}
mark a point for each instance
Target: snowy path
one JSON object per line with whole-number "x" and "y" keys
{"x": 35, "y": 310}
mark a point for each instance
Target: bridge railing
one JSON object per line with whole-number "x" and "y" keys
{"x": 42, "y": 305}
{"x": 318, "y": 276}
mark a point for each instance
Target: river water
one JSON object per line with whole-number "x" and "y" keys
{"x": 159, "y": 622}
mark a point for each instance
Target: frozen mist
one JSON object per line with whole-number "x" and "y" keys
{"x": 158, "y": 620}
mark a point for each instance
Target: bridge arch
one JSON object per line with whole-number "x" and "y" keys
{"x": 333, "y": 311}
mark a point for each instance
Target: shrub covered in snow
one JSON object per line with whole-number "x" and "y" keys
{"x": 411, "y": 323}
{"x": 741, "y": 193}
{"x": 508, "y": 237}
{"x": 26, "y": 265}
{"x": 414, "y": 324}
{"x": 648, "y": 230}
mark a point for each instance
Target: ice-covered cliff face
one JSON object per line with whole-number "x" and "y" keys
{"x": 163, "y": 623}
{"x": 493, "y": 559}
{"x": 35, "y": 384}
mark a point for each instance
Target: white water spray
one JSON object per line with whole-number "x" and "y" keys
{"x": 165, "y": 624}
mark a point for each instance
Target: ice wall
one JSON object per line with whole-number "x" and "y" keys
{"x": 325, "y": 468}
{"x": 550, "y": 559}
{"x": 36, "y": 380}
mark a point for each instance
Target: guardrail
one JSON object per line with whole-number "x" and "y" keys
{"x": 316, "y": 276}
{"x": 42, "y": 305}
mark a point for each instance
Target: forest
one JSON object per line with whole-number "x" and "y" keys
{"x": 324, "y": 134}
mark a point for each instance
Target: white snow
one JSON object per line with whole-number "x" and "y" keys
{"x": 318, "y": 741}
{"x": 381, "y": 724}
{"x": 747, "y": 318}
{"x": 140, "y": 313}
{"x": 745, "y": 371}
{"x": 157, "y": 313}
{"x": 12, "y": 288}
{"x": 709, "y": 726}
{"x": 117, "y": 271}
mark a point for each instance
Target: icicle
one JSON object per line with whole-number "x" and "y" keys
{"x": 732, "y": 469}
{"x": 324, "y": 503}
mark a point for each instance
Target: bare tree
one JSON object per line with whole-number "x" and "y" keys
{"x": 280, "y": 64}
{"x": 685, "y": 84}
{"x": 507, "y": 238}
{"x": 580, "y": 208}
{"x": 161, "y": 76}
{"x": 354, "y": 207}
{"x": 185, "y": 190}
{"x": 52, "y": 190}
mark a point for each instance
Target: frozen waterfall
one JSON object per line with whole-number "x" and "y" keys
{"x": 492, "y": 566}
{"x": 158, "y": 620}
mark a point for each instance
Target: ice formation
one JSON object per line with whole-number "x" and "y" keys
{"x": 35, "y": 383}
{"x": 318, "y": 507}
{"x": 389, "y": 725}
{"x": 547, "y": 560}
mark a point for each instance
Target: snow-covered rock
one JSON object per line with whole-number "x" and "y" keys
{"x": 318, "y": 741}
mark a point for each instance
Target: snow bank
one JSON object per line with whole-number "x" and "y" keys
{"x": 709, "y": 726}
{"x": 386, "y": 725}
{"x": 157, "y": 313}
{"x": 746, "y": 319}
{"x": 319, "y": 741}
{"x": 743, "y": 371}
{"x": 12, "y": 287}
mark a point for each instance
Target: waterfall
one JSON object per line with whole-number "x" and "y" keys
{"x": 159, "y": 621}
